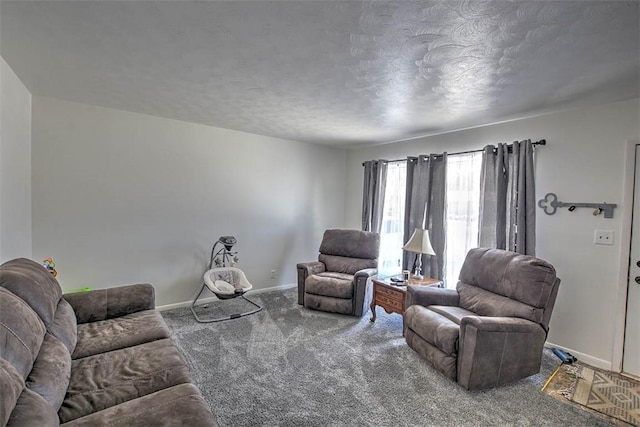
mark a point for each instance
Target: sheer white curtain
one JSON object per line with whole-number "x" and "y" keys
{"x": 392, "y": 232}
{"x": 462, "y": 211}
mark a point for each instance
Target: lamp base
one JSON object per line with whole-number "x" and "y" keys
{"x": 418, "y": 273}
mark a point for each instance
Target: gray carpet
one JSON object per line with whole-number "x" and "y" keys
{"x": 289, "y": 366}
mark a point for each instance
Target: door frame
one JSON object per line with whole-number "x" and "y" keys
{"x": 626, "y": 211}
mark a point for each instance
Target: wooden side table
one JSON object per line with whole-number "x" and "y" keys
{"x": 392, "y": 297}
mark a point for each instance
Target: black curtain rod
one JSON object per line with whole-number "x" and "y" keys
{"x": 541, "y": 142}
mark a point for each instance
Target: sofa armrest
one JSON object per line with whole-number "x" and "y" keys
{"x": 306, "y": 269}
{"x": 102, "y": 304}
{"x": 498, "y": 350}
{"x": 428, "y": 295}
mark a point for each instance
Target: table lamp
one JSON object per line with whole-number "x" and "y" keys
{"x": 420, "y": 244}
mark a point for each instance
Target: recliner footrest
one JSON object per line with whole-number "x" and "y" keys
{"x": 324, "y": 303}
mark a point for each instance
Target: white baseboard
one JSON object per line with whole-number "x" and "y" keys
{"x": 213, "y": 298}
{"x": 588, "y": 359}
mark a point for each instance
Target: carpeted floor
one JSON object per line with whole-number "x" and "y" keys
{"x": 289, "y": 366}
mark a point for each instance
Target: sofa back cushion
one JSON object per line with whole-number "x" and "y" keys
{"x": 51, "y": 371}
{"x": 495, "y": 282}
{"x": 21, "y": 332}
{"x": 38, "y": 332}
{"x": 33, "y": 410}
{"x": 65, "y": 325}
{"x": 12, "y": 385}
{"x": 351, "y": 244}
{"x": 34, "y": 284}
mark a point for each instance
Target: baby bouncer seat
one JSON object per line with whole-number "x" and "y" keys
{"x": 225, "y": 282}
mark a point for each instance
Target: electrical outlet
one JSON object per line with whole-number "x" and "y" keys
{"x": 273, "y": 274}
{"x": 603, "y": 237}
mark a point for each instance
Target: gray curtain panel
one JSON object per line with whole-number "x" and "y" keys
{"x": 507, "y": 198}
{"x": 374, "y": 185}
{"x": 425, "y": 208}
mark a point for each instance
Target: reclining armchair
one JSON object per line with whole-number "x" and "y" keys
{"x": 491, "y": 329}
{"x": 337, "y": 282}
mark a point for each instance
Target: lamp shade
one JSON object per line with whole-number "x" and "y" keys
{"x": 419, "y": 242}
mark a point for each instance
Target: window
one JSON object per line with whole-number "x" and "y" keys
{"x": 462, "y": 211}
{"x": 392, "y": 233}
{"x": 462, "y": 214}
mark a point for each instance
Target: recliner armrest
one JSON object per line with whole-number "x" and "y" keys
{"x": 497, "y": 350}
{"x": 102, "y": 304}
{"x": 313, "y": 267}
{"x": 306, "y": 269}
{"x": 500, "y": 324}
{"x": 365, "y": 274}
{"x": 361, "y": 293}
{"x": 427, "y": 295}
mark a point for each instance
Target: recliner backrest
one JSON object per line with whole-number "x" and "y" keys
{"x": 349, "y": 251}
{"x": 495, "y": 282}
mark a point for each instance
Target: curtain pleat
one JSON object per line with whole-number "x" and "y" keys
{"x": 493, "y": 197}
{"x": 425, "y": 208}
{"x": 526, "y": 212}
{"x": 374, "y": 185}
{"x": 507, "y": 198}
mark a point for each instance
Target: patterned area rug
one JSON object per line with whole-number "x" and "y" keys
{"x": 602, "y": 391}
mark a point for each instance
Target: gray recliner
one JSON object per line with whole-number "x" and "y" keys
{"x": 491, "y": 329}
{"x": 337, "y": 282}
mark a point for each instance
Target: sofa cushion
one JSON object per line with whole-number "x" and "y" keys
{"x": 65, "y": 326}
{"x": 33, "y": 410}
{"x": 102, "y": 304}
{"x": 21, "y": 332}
{"x": 34, "y": 284}
{"x": 51, "y": 371}
{"x": 337, "y": 285}
{"x": 11, "y": 384}
{"x": 108, "y": 379}
{"x": 434, "y": 328}
{"x": 180, "y": 405}
{"x": 120, "y": 332}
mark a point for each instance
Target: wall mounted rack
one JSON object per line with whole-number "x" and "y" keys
{"x": 550, "y": 205}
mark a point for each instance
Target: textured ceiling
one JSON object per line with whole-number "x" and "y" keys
{"x": 334, "y": 72}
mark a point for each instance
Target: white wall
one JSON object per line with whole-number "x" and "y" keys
{"x": 15, "y": 166}
{"x": 583, "y": 162}
{"x": 120, "y": 197}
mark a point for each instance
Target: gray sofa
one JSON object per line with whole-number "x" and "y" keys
{"x": 337, "y": 282}
{"x": 94, "y": 358}
{"x": 491, "y": 329}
